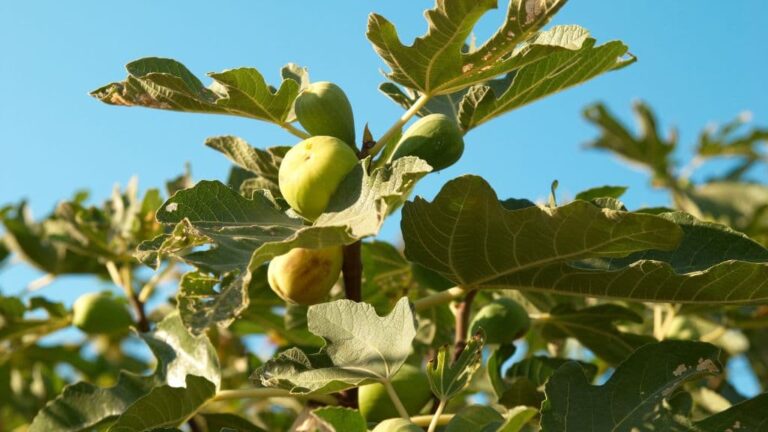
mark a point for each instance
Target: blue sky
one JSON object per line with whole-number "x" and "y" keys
{"x": 699, "y": 62}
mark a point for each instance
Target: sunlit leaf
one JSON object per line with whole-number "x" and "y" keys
{"x": 361, "y": 348}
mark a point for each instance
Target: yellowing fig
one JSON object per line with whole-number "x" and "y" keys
{"x": 503, "y": 321}
{"x": 323, "y": 109}
{"x": 312, "y": 170}
{"x": 100, "y": 313}
{"x": 411, "y": 385}
{"x": 434, "y": 138}
{"x": 397, "y": 425}
{"x": 305, "y": 276}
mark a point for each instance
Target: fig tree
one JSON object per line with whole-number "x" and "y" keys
{"x": 503, "y": 321}
{"x": 311, "y": 172}
{"x": 305, "y": 276}
{"x": 100, "y": 313}
{"x": 434, "y": 138}
{"x": 323, "y": 109}
{"x": 397, "y": 425}
{"x": 411, "y": 385}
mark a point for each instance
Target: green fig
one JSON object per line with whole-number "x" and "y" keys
{"x": 311, "y": 172}
{"x": 323, "y": 109}
{"x": 397, "y": 425}
{"x": 503, "y": 320}
{"x": 101, "y": 313}
{"x": 305, "y": 276}
{"x": 434, "y": 138}
{"x": 410, "y": 384}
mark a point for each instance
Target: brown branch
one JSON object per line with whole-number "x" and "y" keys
{"x": 463, "y": 312}
{"x": 352, "y": 270}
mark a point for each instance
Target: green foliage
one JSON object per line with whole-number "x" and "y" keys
{"x": 591, "y": 285}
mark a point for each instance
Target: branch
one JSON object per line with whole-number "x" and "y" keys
{"x": 352, "y": 271}
{"x": 122, "y": 278}
{"x": 419, "y": 104}
{"x": 264, "y": 393}
{"x": 439, "y": 298}
{"x": 463, "y": 311}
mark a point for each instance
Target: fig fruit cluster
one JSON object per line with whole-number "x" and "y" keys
{"x": 309, "y": 175}
{"x": 312, "y": 171}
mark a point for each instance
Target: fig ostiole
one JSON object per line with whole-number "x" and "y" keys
{"x": 323, "y": 109}
{"x": 311, "y": 171}
{"x": 411, "y": 386}
{"x": 435, "y": 138}
{"x": 503, "y": 320}
{"x": 397, "y": 425}
{"x": 305, "y": 276}
{"x": 101, "y": 313}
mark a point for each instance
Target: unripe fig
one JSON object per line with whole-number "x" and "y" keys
{"x": 503, "y": 321}
{"x": 311, "y": 172}
{"x": 323, "y": 109}
{"x": 100, "y": 313}
{"x": 397, "y": 425}
{"x": 434, "y": 138}
{"x": 411, "y": 385}
{"x": 305, "y": 276}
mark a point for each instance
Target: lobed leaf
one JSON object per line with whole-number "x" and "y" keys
{"x": 361, "y": 348}
{"x": 165, "y": 406}
{"x": 466, "y": 234}
{"x": 633, "y": 396}
{"x": 83, "y": 406}
{"x": 448, "y": 377}
{"x": 162, "y": 83}
{"x": 437, "y": 62}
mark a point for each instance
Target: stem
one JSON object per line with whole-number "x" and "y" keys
{"x": 41, "y": 282}
{"x": 396, "y": 400}
{"x": 193, "y": 425}
{"x": 295, "y": 131}
{"x": 352, "y": 271}
{"x": 264, "y": 393}
{"x": 657, "y": 322}
{"x": 439, "y": 298}
{"x": 157, "y": 278}
{"x": 418, "y": 105}
{"x": 122, "y": 278}
{"x": 426, "y": 420}
{"x": 463, "y": 311}
{"x": 436, "y": 417}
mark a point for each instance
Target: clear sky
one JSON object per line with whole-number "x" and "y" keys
{"x": 699, "y": 62}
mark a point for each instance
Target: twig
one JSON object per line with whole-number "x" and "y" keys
{"x": 123, "y": 279}
{"x": 396, "y": 400}
{"x": 439, "y": 298}
{"x": 425, "y": 420}
{"x": 352, "y": 271}
{"x": 264, "y": 393}
{"x": 41, "y": 282}
{"x": 156, "y": 279}
{"x": 436, "y": 417}
{"x": 418, "y": 105}
{"x": 463, "y": 311}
